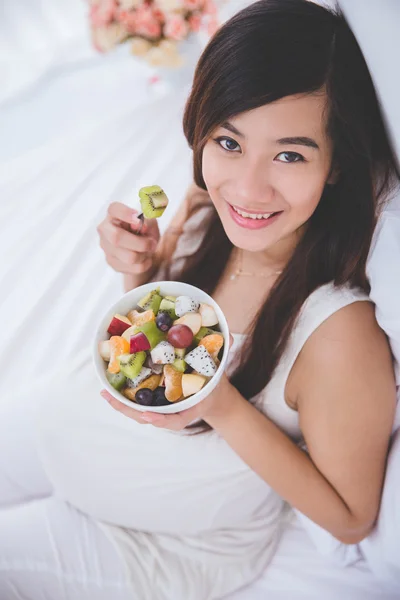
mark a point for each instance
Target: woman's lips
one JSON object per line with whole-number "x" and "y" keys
{"x": 248, "y": 223}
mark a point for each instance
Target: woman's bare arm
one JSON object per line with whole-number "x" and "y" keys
{"x": 346, "y": 399}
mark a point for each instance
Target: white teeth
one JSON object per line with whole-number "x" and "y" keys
{"x": 249, "y": 216}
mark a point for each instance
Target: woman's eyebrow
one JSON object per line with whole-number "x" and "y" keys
{"x": 295, "y": 140}
{"x": 232, "y": 128}
{"x": 299, "y": 141}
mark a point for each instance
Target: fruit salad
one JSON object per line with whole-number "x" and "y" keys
{"x": 164, "y": 350}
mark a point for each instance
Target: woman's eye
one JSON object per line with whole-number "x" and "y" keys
{"x": 230, "y": 144}
{"x": 290, "y": 157}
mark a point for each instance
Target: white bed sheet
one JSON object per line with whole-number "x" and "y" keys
{"x": 73, "y": 140}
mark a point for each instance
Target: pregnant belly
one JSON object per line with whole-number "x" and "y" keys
{"x": 139, "y": 476}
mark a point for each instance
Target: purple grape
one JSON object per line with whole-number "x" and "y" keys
{"x": 163, "y": 321}
{"x": 144, "y": 396}
{"x": 159, "y": 398}
{"x": 180, "y": 336}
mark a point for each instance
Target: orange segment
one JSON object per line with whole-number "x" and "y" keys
{"x": 138, "y": 318}
{"x": 173, "y": 384}
{"x": 118, "y": 345}
{"x": 212, "y": 343}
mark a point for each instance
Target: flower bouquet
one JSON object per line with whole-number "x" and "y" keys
{"x": 154, "y": 28}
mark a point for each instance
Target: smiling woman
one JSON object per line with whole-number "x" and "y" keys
{"x": 290, "y": 168}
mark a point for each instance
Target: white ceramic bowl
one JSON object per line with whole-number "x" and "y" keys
{"x": 127, "y": 303}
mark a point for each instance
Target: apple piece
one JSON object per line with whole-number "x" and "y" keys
{"x": 118, "y": 325}
{"x": 208, "y": 315}
{"x": 192, "y": 320}
{"x": 128, "y": 333}
{"x": 139, "y": 343}
{"x": 192, "y": 383}
{"x": 104, "y": 350}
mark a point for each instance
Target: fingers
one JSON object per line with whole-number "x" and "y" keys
{"x": 175, "y": 422}
{"x": 120, "y": 238}
{"x": 129, "y": 257}
{"x": 120, "y": 211}
{"x": 122, "y": 408}
{"x": 128, "y": 268}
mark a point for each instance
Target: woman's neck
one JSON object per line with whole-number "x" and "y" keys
{"x": 276, "y": 257}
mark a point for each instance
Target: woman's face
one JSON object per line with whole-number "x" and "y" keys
{"x": 272, "y": 161}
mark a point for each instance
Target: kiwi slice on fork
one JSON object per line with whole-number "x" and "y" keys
{"x": 153, "y": 201}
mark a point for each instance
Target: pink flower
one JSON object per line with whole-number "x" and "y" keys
{"x": 195, "y": 22}
{"x": 102, "y": 13}
{"x": 147, "y": 21}
{"x": 151, "y": 29}
{"x": 127, "y": 19}
{"x": 176, "y": 28}
{"x": 159, "y": 14}
{"x": 193, "y": 4}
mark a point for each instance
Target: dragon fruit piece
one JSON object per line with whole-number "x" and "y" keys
{"x": 144, "y": 374}
{"x": 201, "y": 361}
{"x": 163, "y": 354}
{"x": 185, "y": 304}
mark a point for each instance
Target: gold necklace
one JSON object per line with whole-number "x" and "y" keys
{"x": 239, "y": 271}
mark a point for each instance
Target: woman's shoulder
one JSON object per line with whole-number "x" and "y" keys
{"x": 340, "y": 320}
{"x": 327, "y": 311}
{"x": 330, "y": 297}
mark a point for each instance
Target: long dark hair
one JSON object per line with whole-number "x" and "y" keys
{"x": 272, "y": 49}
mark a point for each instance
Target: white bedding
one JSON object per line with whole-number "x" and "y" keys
{"x": 73, "y": 138}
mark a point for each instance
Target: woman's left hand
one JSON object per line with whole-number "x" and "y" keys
{"x": 217, "y": 402}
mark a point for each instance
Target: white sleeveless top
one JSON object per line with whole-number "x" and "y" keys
{"x": 169, "y": 491}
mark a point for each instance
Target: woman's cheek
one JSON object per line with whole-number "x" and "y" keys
{"x": 211, "y": 167}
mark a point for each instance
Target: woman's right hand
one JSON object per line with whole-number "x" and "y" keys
{"x": 125, "y": 251}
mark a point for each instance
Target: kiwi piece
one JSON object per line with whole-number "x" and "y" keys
{"x": 131, "y": 364}
{"x": 151, "y": 301}
{"x": 168, "y": 306}
{"x": 153, "y": 201}
{"x": 179, "y": 365}
{"x": 117, "y": 380}
{"x": 151, "y": 331}
{"x": 203, "y": 331}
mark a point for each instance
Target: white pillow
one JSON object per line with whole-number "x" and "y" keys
{"x": 383, "y": 270}
{"x": 381, "y": 549}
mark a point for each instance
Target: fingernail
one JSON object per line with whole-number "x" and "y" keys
{"x": 134, "y": 215}
{"x": 154, "y": 245}
{"x": 147, "y": 418}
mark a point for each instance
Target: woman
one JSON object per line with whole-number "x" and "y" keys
{"x": 291, "y": 165}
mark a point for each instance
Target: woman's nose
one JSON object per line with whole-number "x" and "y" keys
{"x": 253, "y": 187}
